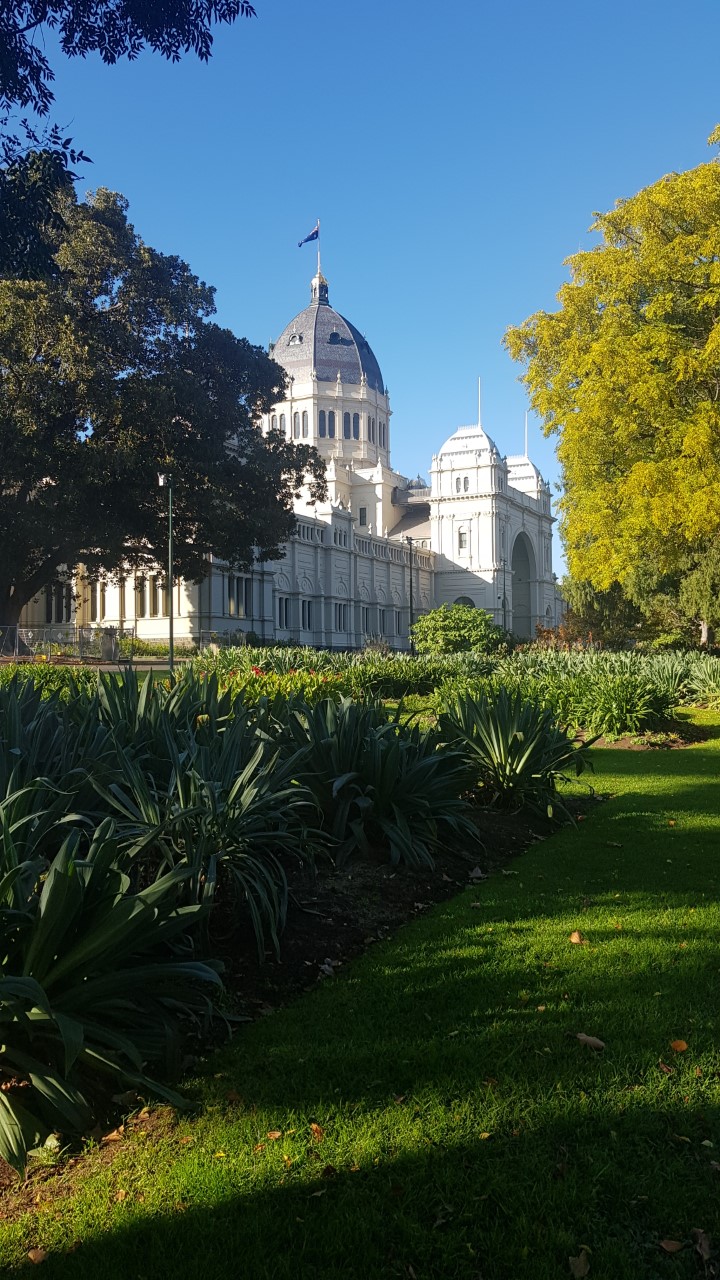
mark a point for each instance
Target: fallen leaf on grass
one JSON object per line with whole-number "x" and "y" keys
{"x": 701, "y": 1241}
{"x": 592, "y": 1042}
{"x": 668, "y": 1071}
{"x": 315, "y": 1194}
{"x": 715, "y": 1166}
{"x": 287, "y": 1161}
{"x": 38, "y": 1255}
{"x": 671, "y": 1246}
{"x": 274, "y": 1134}
{"x": 115, "y": 1135}
{"x": 317, "y": 1133}
{"x": 185, "y": 1142}
{"x": 120, "y": 1194}
{"x": 219, "y": 1155}
{"x": 678, "y": 1045}
{"x": 477, "y": 874}
{"x": 259, "y": 1146}
{"x": 578, "y": 938}
{"x": 580, "y": 1266}
{"x": 680, "y": 1137}
{"x": 485, "y": 1136}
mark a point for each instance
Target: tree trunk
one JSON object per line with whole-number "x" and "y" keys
{"x": 706, "y": 633}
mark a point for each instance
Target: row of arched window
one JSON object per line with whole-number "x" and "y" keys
{"x": 463, "y": 483}
{"x": 376, "y": 431}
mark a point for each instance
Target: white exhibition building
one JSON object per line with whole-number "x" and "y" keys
{"x": 380, "y": 550}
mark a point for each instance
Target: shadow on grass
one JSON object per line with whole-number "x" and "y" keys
{"x": 467, "y": 1132}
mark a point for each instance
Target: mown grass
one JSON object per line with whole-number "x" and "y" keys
{"x": 463, "y": 1129}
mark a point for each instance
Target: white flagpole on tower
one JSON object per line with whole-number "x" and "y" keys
{"x": 479, "y": 402}
{"x": 526, "y": 434}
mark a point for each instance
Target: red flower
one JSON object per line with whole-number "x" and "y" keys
{"x": 257, "y": 671}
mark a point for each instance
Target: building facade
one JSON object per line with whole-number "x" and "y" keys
{"x": 380, "y": 550}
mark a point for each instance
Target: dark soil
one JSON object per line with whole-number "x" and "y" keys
{"x": 337, "y": 914}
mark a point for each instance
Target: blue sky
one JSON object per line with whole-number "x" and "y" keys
{"x": 454, "y": 154}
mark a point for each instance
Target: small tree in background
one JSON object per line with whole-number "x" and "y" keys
{"x": 457, "y": 628}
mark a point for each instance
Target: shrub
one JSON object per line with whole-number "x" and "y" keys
{"x": 457, "y": 628}
{"x": 380, "y": 785}
{"x": 516, "y": 750}
{"x": 68, "y": 682}
{"x": 98, "y": 977}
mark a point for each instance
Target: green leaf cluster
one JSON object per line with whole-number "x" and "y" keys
{"x": 625, "y": 374}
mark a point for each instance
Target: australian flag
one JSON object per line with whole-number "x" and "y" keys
{"x": 314, "y": 235}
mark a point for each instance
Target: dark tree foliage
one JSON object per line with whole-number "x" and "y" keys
{"x": 110, "y": 372}
{"x": 113, "y": 28}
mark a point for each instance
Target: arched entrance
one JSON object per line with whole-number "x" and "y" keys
{"x": 469, "y": 604}
{"x": 523, "y": 587}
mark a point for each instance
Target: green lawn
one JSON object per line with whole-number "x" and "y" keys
{"x": 464, "y": 1130}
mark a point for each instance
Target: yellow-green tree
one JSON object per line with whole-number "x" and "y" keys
{"x": 627, "y": 374}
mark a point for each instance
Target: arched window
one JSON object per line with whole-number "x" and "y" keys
{"x": 369, "y": 427}
{"x": 273, "y": 422}
{"x": 331, "y": 423}
{"x": 356, "y": 426}
{"x": 305, "y": 424}
{"x": 282, "y": 422}
{"x": 469, "y": 604}
{"x": 466, "y": 484}
{"x": 457, "y": 484}
{"x": 346, "y": 426}
{"x": 296, "y": 425}
{"x": 321, "y": 423}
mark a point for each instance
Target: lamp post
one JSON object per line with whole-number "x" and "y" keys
{"x": 166, "y": 481}
{"x": 409, "y": 541}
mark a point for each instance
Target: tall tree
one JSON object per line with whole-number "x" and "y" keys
{"x": 111, "y": 371}
{"x": 113, "y": 28}
{"x": 627, "y": 375}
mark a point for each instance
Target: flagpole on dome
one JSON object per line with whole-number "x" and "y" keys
{"x": 318, "y": 238}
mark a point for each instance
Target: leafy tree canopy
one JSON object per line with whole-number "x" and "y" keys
{"x": 113, "y": 28}
{"x": 110, "y": 372}
{"x": 456, "y": 628}
{"x": 627, "y": 374}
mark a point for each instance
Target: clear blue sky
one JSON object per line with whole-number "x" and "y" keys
{"x": 453, "y": 152}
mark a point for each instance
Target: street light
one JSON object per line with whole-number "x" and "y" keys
{"x": 409, "y": 541}
{"x": 166, "y": 482}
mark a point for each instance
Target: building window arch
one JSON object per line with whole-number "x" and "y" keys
{"x": 346, "y": 426}
{"x": 321, "y": 423}
{"x": 273, "y": 422}
{"x": 331, "y": 423}
{"x": 356, "y": 426}
{"x": 466, "y": 601}
{"x": 296, "y": 425}
{"x": 305, "y": 424}
{"x": 457, "y": 484}
{"x": 282, "y": 423}
{"x": 466, "y": 483}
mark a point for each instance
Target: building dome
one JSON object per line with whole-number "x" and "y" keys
{"x": 321, "y": 341}
{"x": 468, "y": 440}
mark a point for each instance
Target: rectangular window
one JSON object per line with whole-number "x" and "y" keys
{"x": 363, "y": 515}
{"x": 365, "y": 619}
{"x": 247, "y": 598}
{"x": 321, "y": 423}
{"x": 381, "y": 621}
{"x": 356, "y": 426}
{"x": 305, "y": 424}
{"x": 462, "y": 540}
{"x": 398, "y": 622}
{"x": 346, "y": 426}
{"x": 341, "y": 617}
{"x": 231, "y": 594}
{"x": 331, "y": 423}
{"x": 283, "y": 613}
{"x": 306, "y": 612}
{"x": 154, "y": 597}
{"x": 140, "y": 598}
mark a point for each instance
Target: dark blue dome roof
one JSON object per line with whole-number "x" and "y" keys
{"x": 320, "y": 338}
